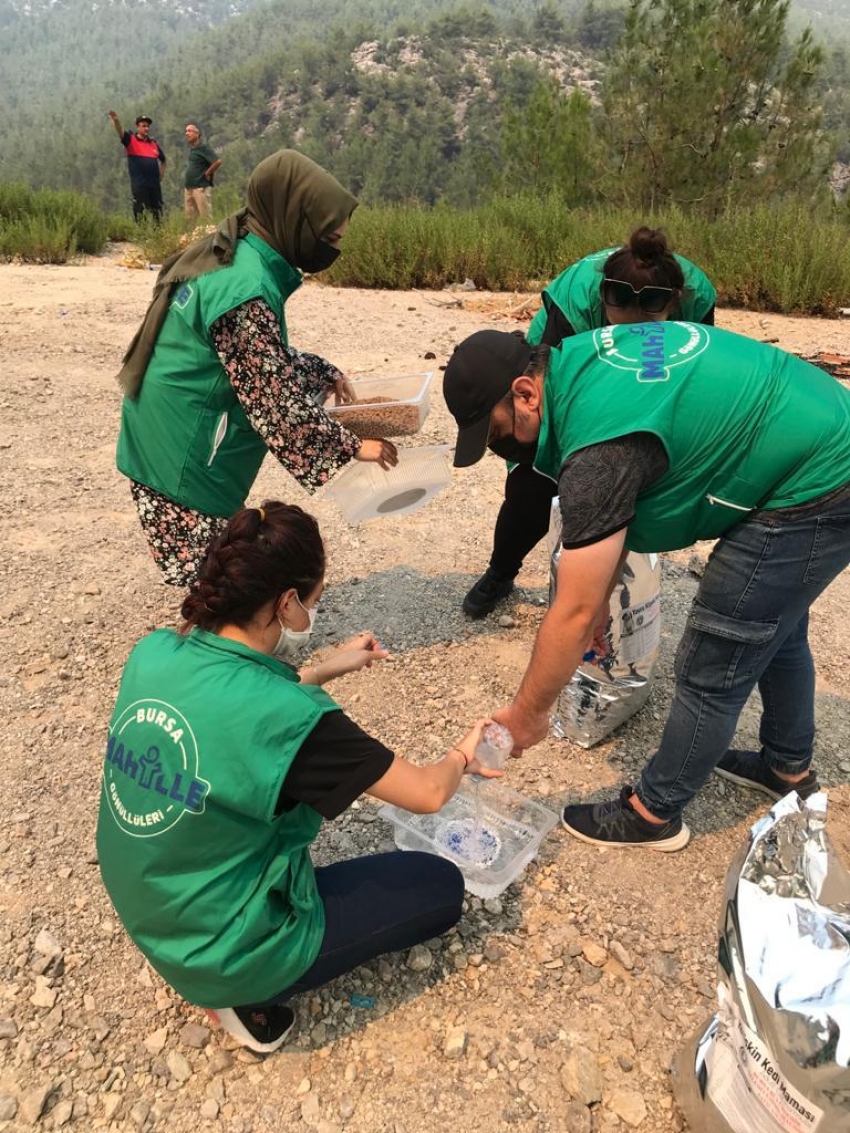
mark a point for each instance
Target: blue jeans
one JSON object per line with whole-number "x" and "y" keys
{"x": 376, "y": 904}
{"x": 748, "y": 626}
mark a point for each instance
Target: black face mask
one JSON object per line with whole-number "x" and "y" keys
{"x": 509, "y": 448}
{"x": 518, "y": 452}
{"x": 322, "y": 258}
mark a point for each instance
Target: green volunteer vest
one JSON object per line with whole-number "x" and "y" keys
{"x": 186, "y": 435}
{"x": 745, "y": 425}
{"x": 576, "y": 292}
{"x": 213, "y": 888}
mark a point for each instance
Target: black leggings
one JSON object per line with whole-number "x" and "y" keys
{"x": 523, "y": 519}
{"x": 376, "y": 904}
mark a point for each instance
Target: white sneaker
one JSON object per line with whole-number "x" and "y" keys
{"x": 263, "y": 1030}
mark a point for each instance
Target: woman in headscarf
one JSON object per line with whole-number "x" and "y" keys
{"x": 210, "y": 381}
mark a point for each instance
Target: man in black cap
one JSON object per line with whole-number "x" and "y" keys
{"x": 655, "y": 435}
{"x": 146, "y": 166}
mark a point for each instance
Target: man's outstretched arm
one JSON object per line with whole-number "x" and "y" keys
{"x": 116, "y": 122}
{"x": 586, "y": 578}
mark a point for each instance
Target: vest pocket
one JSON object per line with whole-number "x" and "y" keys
{"x": 718, "y": 653}
{"x": 735, "y": 494}
{"x": 220, "y": 434}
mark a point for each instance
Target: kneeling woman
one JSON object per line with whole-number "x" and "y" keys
{"x": 221, "y": 763}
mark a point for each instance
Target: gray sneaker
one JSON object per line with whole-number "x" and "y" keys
{"x": 617, "y": 824}
{"x": 748, "y": 769}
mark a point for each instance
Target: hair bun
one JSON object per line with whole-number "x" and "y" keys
{"x": 648, "y": 244}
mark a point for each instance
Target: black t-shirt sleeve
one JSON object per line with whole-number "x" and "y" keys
{"x": 558, "y": 327}
{"x": 336, "y": 763}
{"x": 708, "y": 318}
{"x": 599, "y": 485}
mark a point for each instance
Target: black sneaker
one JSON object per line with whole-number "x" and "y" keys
{"x": 748, "y": 769}
{"x": 487, "y": 591}
{"x": 617, "y": 824}
{"x": 262, "y": 1029}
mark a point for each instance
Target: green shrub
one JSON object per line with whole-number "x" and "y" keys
{"x": 783, "y": 258}
{"x": 158, "y": 241}
{"x": 786, "y": 257}
{"x": 790, "y": 257}
{"x": 48, "y": 226}
{"x": 119, "y": 227}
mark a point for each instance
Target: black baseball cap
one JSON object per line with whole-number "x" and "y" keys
{"x": 479, "y": 374}
{"x": 144, "y": 118}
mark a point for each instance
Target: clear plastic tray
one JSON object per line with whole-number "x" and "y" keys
{"x": 364, "y": 491}
{"x": 386, "y": 407}
{"x": 490, "y": 857}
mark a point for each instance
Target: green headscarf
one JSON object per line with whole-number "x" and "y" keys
{"x": 292, "y": 204}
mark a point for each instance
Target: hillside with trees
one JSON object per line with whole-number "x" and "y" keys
{"x": 601, "y": 102}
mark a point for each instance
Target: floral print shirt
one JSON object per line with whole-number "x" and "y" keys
{"x": 281, "y": 391}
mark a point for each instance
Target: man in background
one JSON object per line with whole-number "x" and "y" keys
{"x": 201, "y": 168}
{"x": 145, "y": 164}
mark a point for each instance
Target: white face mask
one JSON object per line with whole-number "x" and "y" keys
{"x": 291, "y": 640}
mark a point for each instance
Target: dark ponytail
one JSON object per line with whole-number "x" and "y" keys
{"x": 647, "y": 260}
{"x": 261, "y": 553}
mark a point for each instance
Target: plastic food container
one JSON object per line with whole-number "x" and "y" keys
{"x": 491, "y": 838}
{"x": 386, "y": 407}
{"x": 364, "y": 491}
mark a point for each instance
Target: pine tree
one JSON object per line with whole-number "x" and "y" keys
{"x": 706, "y": 103}
{"x": 549, "y": 144}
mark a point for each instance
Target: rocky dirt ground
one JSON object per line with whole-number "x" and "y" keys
{"x": 558, "y": 1006}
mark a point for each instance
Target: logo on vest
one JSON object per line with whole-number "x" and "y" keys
{"x": 182, "y": 296}
{"x": 151, "y": 775}
{"x": 650, "y": 350}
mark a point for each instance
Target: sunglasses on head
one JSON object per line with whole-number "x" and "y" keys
{"x": 651, "y": 300}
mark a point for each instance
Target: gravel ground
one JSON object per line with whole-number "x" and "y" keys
{"x": 557, "y": 1007}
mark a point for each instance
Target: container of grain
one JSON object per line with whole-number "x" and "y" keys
{"x": 386, "y": 407}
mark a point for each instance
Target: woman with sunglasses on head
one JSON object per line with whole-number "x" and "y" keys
{"x": 221, "y": 763}
{"x": 641, "y": 282}
{"x": 210, "y": 381}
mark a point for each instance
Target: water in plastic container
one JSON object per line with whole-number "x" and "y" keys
{"x": 490, "y": 832}
{"x": 494, "y": 747}
{"x": 471, "y": 840}
{"x": 477, "y": 844}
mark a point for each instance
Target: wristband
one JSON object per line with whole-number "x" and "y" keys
{"x": 467, "y": 759}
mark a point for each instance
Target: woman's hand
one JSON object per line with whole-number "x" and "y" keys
{"x": 467, "y": 748}
{"x": 379, "y": 452}
{"x": 366, "y": 644}
{"x": 344, "y": 391}
{"x": 357, "y": 653}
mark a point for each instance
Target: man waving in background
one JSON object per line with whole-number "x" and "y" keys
{"x": 145, "y": 164}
